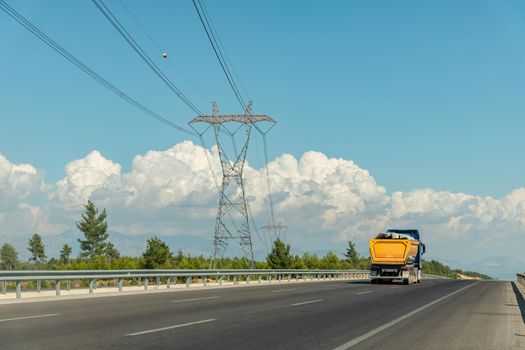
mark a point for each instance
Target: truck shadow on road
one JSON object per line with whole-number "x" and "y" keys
{"x": 521, "y": 300}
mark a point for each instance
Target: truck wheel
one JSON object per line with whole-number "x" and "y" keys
{"x": 406, "y": 281}
{"x": 374, "y": 281}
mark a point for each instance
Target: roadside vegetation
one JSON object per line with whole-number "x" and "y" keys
{"x": 433, "y": 267}
{"x": 97, "y": 252}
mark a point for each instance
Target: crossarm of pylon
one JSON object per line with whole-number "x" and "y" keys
{"x": 232, "y": 118}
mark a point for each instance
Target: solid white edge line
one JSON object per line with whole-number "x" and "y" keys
{"x": 194, "y": 299}
{"x": 373, "y": 332}
{"x": 308, "y": 302}
{"x": 366, "y": 292}
{"x": 28, "y": 317}
{"x": 169, "y": 327}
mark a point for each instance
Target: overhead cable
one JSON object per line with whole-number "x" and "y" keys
{"x": 161, "y": 51}
{"x": 63, "y": 52}
{"x": 142, "y": 54}
{"x": 217, "y": 50}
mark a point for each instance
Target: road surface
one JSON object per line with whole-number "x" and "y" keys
{"x": 437, "y": 314}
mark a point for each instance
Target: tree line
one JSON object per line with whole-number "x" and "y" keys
{"x": 98, "y": 252}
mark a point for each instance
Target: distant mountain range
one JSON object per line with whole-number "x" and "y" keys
{"x": 500, "y": 267}
{"x": 129, "y": 245}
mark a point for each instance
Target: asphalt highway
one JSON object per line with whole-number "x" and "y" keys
{"x": 437, "y": 314}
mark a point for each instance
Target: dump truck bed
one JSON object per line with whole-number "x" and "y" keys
{"x": 393, "y": 251}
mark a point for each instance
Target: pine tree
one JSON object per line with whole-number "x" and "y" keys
{"x": 352, "y": 256}
{"x": 94, "y": 227}
{"x": 330, "y": 261}
{"x": 8, "y": 257}
{"x": 280, "y": 257}
{"x": 37, "y": 249}
{"x": 157, "y": 254}
{"x": 111, "y": 251}
{"x": 65, "y": 253}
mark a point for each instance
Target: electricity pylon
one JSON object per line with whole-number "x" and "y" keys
{"x": 232, "y": 221}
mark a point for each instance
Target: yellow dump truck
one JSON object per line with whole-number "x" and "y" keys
{"x": 396, "y": 255}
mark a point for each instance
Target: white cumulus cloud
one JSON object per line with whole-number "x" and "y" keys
{"x": 324, "y": 201}
{"x": 18, "y": 182}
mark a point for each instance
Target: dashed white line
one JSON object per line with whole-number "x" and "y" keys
{"x": 194, "y": 299}
{"x": 308, "y": 302}
{"x": 373, "y": 332}
{"x": 366, "y": 292}
{"x": 283, "y": 290}
{"x": 28, "y": 317}
{"x": 169, "y": 327}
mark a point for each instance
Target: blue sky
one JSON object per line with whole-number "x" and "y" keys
{"x": 422, "y": 94}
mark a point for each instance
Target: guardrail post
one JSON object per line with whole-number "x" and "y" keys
{"x": 168, "y": 282}
{"x": 91, "y": 285}
{"x": 205, "y": 281}
{"x": 139, "y": 281}
{"x": 146, "y": 281}
{"x": 234, "y": 279}
{"x": 38, "y": 286}
{"x": 158, "y": 282}
{"x": 57, "y": 288}
{"x": 247, "y": 279}
{"x": 18, "y": 289}
{"x": 289, "y": 276}
{"x": 188, "y": 281}
{"x": 68, "y": 285}
{"x": 4, "y": 287}
{"x": 119, "y": 284}
{"x": 260, "y": 278}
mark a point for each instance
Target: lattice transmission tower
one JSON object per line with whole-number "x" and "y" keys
{"x": 232, "y": 222}
{"x": 275, "y": 231}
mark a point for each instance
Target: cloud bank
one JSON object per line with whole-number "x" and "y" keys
{"x": 324, "y": 201}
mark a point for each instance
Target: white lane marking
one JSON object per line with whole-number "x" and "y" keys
{"x": 396, "y": 287}
{"x": 27, "y": 317}
{"x": 283, "y": 290}
{"x": 308, "y": 302}
{"x": 366, "y": 292}
{"x": 194, "y": 299}
{"x": 169, "y": 327}
{"x": 373, "y": 332}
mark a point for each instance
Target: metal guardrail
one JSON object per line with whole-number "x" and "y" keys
{"x": 425, "y": 275}
{"x": 520, "y": 277}
{"x": 143, "y": 277}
